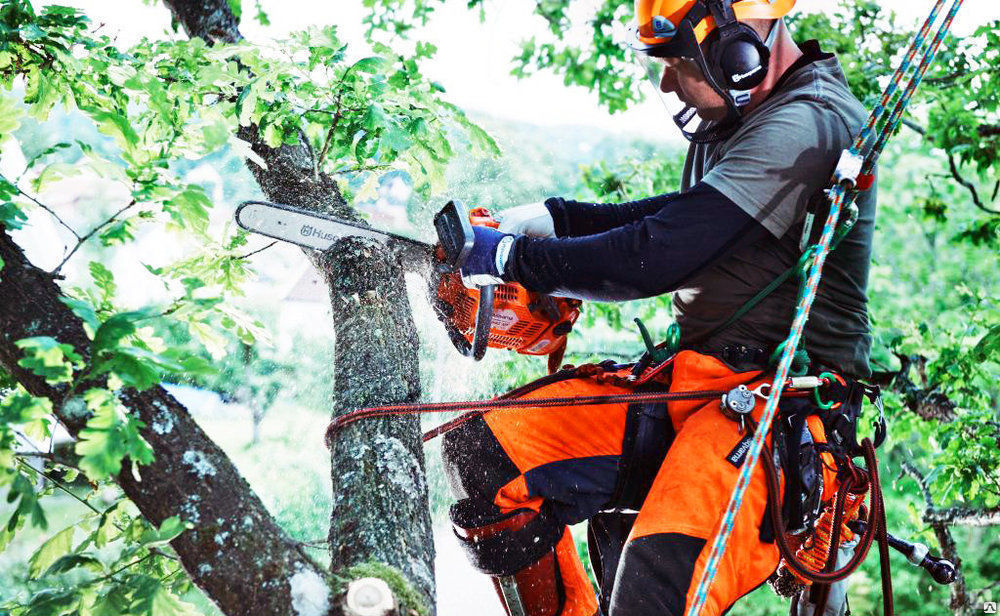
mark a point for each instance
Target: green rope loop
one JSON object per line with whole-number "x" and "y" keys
{"x": 661, "y": 353}
{"x": 830, "y": 377}
{"x": 800, "y": 361}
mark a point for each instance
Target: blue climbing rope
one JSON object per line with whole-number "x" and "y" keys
{"x": 857, "y": 161}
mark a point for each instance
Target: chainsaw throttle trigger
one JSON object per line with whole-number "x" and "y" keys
{"x": 455, "y": 234}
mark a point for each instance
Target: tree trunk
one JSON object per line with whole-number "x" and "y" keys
{"x": 236, "y": 553}
{"x": 380, "y": 511}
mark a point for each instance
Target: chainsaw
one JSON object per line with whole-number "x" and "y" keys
{"x": 504, "y": 316}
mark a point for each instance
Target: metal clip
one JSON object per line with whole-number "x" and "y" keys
{"x": 762, "y": 391}
{"x": 849, "y": 167}
{"x": 739, "y": 401}
{"x": 805, "y": 382}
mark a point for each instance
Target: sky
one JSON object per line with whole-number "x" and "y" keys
{"x": 474, "y": 58}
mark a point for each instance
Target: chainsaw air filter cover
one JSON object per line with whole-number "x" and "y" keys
{"x": 523, "y": 321}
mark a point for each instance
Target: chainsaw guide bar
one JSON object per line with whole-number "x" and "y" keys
{"x": 311, "y": 230}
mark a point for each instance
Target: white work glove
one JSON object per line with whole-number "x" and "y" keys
{"x": 531, "y": 219}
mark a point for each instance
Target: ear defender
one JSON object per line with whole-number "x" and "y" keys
{"x": 738, "y": 54}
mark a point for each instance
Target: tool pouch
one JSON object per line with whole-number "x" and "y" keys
{"x": 648, "y": 434}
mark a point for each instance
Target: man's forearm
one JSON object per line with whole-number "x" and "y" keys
{"x": 578, "y": 219}
{"x": 654, "y": 255}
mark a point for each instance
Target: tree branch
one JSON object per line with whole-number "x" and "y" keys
{"x": 256, "y": 252}
{"x": 963, "y": 516}
{"x": 927, "y": 402}
{"x": 988, "y": 130}
{"x": 912, "y": 125}
{"x": 959, "y": 593}
{"x": 236, "y": 553}
{"x": 955, "y": 173}
{"x": 82, "y": 240}
{"x": 44, "y": 207}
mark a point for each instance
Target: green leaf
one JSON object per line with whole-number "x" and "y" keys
{"x": 20, "y": 407}
{"x": 109, "y": 436}
{"x": 118, "y": 232}
{"x": 48, "y": 358}
{"x": 51, "y": 602}
{"x": 85, "y": 311}
{"x": 115, "y": 124}
{"x": 10, "y": 116}
{"x": 110, "y": 334}
{"x": 246, "y": 104}
{"x": 52, "y": 173}
{"x": 115, "y": 602}
{"x": 12, "y": 216}
{"x": 236, "y": 6}
{"x": 988, "y": 345}
{"x": 372, "y": 64}
{"x": 153, "y": 598}
{"x": 104, "y": 280}
{"x": 76, "y": 561}
{"x": 189, "y": 208}
{"x": 136, "y": 367}
{"x": 170, "y": 529}
{"x": 49, "y": 552}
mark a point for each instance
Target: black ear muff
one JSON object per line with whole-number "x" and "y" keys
{"x": 738, "y": 56}
{"x": 743, "y": 63}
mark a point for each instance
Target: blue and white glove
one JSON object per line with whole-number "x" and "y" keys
{"x": 490, "y": 252}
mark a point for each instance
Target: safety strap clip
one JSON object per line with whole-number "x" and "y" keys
{"x": 849, "y": 170}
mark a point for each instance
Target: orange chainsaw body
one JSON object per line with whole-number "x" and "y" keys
{"x": 523, "y": 321}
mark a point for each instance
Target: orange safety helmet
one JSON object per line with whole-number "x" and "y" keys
{"x": 714, "y": 35}
{"x": 657, "y": 20}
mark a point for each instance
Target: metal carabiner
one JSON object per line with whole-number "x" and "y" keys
{"x": 762, "y": 391}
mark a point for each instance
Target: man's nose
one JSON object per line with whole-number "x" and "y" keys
{"x": 668, "y": 81}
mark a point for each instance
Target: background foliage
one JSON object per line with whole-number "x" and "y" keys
{"x": 143, "y": 119}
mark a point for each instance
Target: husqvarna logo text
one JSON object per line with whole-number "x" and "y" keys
{"x": 741, "y": 76}
{"x": 311, "y": 231}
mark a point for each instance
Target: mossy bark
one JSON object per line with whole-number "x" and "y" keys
{"x": 236, "y": 553}
{"x": 380, "y": 510}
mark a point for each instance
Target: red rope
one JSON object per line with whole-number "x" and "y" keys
{"x": 477, "y": 408}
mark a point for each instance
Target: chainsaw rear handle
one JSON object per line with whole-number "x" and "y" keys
{"x": 943, "y": 571}
{"x": 456, "y": 237}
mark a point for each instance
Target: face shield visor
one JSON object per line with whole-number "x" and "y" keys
{"x": 681, "y": 43}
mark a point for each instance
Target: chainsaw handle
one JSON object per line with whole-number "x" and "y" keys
{"x": 484, "y": 321}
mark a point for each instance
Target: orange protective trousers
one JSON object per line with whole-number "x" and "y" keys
{"x": 568, "y": 459}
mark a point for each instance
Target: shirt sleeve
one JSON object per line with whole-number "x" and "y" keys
{"x": 775, "y": 165}
{"x": 645, "y": 258}
{"x": 577, "y": 219}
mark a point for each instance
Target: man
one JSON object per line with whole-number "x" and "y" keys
{"x": 775, "y": 118}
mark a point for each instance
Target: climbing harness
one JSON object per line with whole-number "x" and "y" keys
{"x": 853, "y": 173}
{"x": 605, "y": 372}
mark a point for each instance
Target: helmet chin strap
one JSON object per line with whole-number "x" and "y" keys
{"x": 721, "y": 129}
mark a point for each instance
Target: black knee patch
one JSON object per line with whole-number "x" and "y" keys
{"x": 497, "y": 547}
{"x": 475, "y": 463}
{"x": 655, "y": 574}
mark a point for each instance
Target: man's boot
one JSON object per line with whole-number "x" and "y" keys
{"x": 530, "y": 556}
